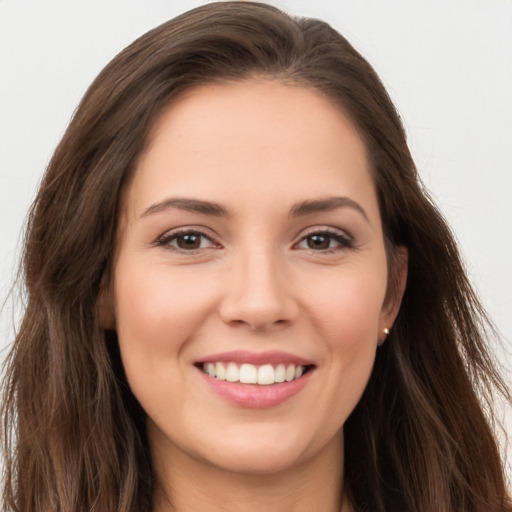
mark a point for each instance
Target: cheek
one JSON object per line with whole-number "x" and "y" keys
{"x": 158, "y": 310}
{"x": 351, "y": 334}
{"x": 347, "y": 308}
{"x": 158, "y": 313}
{"x": 348, "y": 322}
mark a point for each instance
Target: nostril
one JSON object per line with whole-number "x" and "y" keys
{"x": 257, "y": 323}
{"x": 263, "y": 326}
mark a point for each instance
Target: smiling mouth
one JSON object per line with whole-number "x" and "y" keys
{"x": 246, "y": 373}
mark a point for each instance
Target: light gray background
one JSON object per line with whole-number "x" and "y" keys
{"x": 447, "y": 66}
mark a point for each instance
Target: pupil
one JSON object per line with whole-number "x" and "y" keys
{"x": 189, "y": 241}
{"x": 318, "y": 242}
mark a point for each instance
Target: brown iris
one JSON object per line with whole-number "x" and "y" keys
{"x": 189, "y": 241}
{"x": 318, "y": 241}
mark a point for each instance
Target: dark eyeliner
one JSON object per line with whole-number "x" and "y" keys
{"x": 342, "y": 239}
{"x": 164, "y": 240}
{"x": 345, "y": 241}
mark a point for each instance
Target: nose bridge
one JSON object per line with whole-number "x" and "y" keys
{"x": 257, "y": 291}
{"x": 259, "y": 274}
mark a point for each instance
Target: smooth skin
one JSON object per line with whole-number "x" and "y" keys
{"x": 233, "y": 236}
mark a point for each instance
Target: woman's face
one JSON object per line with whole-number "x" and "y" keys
{"x": 251, "y": 250}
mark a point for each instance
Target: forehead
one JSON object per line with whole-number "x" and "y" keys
{"x": 252, "y": 137}
{"x": 245, "y": 106}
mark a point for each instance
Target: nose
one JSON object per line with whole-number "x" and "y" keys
{"x": 258, "y": 293}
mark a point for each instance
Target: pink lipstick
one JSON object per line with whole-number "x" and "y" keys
{"x": 255, "y": 380}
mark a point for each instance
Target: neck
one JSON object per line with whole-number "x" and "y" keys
{"x": 185, "y": 484}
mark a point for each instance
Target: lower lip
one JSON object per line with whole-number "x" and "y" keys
{"x": 253, "y": 396}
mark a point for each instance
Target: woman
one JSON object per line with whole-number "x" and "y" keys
{"x": 240, "y": 297}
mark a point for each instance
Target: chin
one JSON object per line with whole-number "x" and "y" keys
{"x": 262, "y": 451}
{"x": 258, "y": 461}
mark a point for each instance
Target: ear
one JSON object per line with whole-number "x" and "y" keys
{"x": 105, "y": 307}
{"x": 396, "y": 289}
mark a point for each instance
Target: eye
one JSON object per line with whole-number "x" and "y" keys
{"x": 325, "y": 241}
{"x": 187, "y": 241}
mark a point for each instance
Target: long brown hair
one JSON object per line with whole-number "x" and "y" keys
{"x": 74, "y": 436}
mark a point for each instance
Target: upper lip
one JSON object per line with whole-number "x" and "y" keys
{"x": 256, "y": 358}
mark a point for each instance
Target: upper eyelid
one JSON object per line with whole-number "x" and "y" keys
{"x": 201, "y": 230}
{"x": 165, "y": 241}
{"x": 210, "y": 234}
{"x": 323, "y": 229}
{"x": 344, "y": 238}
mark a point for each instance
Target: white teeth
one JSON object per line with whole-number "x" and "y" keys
{"x": 232, "y": 373}
{"x": 266, "y": 374}
{"x": 210, "y": 369}
{"x": 250, "y": 374}
{"x": 280, "y": 373}
{"x": 221, "y": 371}
{"x": 290, "y": 373}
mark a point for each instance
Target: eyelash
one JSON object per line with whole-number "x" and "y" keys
{"x": 166, "y": 240}
{"x": 344, "y": 241}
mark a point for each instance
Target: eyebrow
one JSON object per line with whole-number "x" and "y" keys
{"x": 325, "y": 205}
{"x": 214, "y": 209}
{"x": 189, "y": 205}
